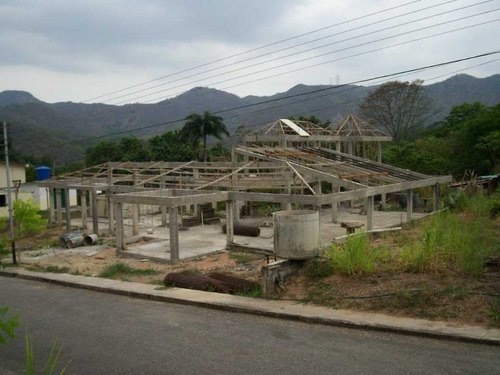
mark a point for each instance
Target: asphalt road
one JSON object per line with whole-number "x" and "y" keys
{"x": 110, "y": 334}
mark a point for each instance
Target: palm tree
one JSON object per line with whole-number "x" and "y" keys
{"x": 199, "y": 127}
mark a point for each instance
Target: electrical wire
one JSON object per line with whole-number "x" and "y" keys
{"x": 295, "y": 95}
{"x": 256, "y": 49}
{"x": 305, "y": 43}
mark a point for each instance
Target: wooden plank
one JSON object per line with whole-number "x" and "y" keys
{"x": 301, "y": 178}
{"x": 363, "y": 175}
{"x": 224, "y": 177}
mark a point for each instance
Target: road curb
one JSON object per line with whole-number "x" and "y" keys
{"x": 270, "y": 308}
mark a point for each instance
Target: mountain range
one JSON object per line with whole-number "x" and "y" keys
{"x": 60, "y": 129}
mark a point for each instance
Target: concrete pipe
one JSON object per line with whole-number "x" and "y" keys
{"x": 296, "y": 234}
{"x": 90, "y": 239}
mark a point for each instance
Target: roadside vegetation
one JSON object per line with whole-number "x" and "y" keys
{"x": 443, "y": 267}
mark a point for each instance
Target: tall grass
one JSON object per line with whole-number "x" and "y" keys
{"x": 460, "y": 238}
{"x": 354, "y": 257}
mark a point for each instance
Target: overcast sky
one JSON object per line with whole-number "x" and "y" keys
{"x": 62, "y": 50}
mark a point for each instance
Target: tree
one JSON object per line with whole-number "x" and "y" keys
{"x": 132, "y": 149}
{"x": 401, "y": 108}
{"x": 102, "y": 152}
{"x": 200, "y": 127}
{"x": 170, "y": 147}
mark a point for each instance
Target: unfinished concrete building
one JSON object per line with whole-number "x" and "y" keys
{"x": 292, "y": 164}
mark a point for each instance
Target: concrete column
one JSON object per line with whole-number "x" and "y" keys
{"x": 135, "y": 219}
{"x": 383, "y": 200}
{"x": 288, "y": 190}
{"x": 334, "y": 212}
{"x": 163, "y": 209}
{"x": 68, "y": 210}
{"x": 83, "y": 208}
{"x": 196, "y": 176}
{"x": 59, "y": 207}
{"x": 111, "y": 214}
{"x": 379, "y": 152}
{"x": 229, "y": 223}
{"x": 120, "y": 236}
{"x": 52, "y": 212}
{"x": 369, "y": 212}
{"x": 95, "y": 217}
{"x": 435, "y": 197}
{"x": 173, "y": 227}
{"x": 317, "y": 189}
{"x": 409, "y": 205}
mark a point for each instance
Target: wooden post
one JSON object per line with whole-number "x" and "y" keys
{"x": 59, "y": 206}
{"x": 83, "y": 208}
{"x": 174, "y": 233}
{"x": 68, "y": 210}
{"x": 369, "y": 212}
{"x": 95, "y": 217}
{"x": 229, "y": 223}
{"x": 52, "y": 212}
{"x": 338, "y": 146}
{"x": 349, "y": 150}
{"x": 409, "y": 205}
{"x": 435, "y": 197}
{"x": 379, "y": 152}
{"x": 383, "y": 200}
{"x": 120, "y": 235}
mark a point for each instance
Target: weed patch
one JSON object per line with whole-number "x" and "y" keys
{"x": 123, "y": 269}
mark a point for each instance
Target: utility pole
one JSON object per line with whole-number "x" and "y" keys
{"x": 9, "y": 196}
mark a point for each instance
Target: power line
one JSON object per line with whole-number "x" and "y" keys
{"x": 305, "y": 43}
{"x": 256, "y": 49}
{"x": 325, "y": 62}
{"x": 296, "y": 95}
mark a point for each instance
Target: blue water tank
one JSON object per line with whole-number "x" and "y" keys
{"x": 42, "y": 173}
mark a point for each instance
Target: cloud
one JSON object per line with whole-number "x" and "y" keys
{"x": 51, "y": 46}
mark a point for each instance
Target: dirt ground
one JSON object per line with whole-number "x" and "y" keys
{"x": 238, "y": 264}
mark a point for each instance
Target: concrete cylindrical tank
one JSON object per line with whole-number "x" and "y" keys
{"x": 42, "y": 173}
{"x": 296, "y": 234}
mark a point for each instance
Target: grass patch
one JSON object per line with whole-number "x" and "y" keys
{"x": 123, "y": 269}
{"x": 253, "y": 293}
{"x": 241, "y": 258}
